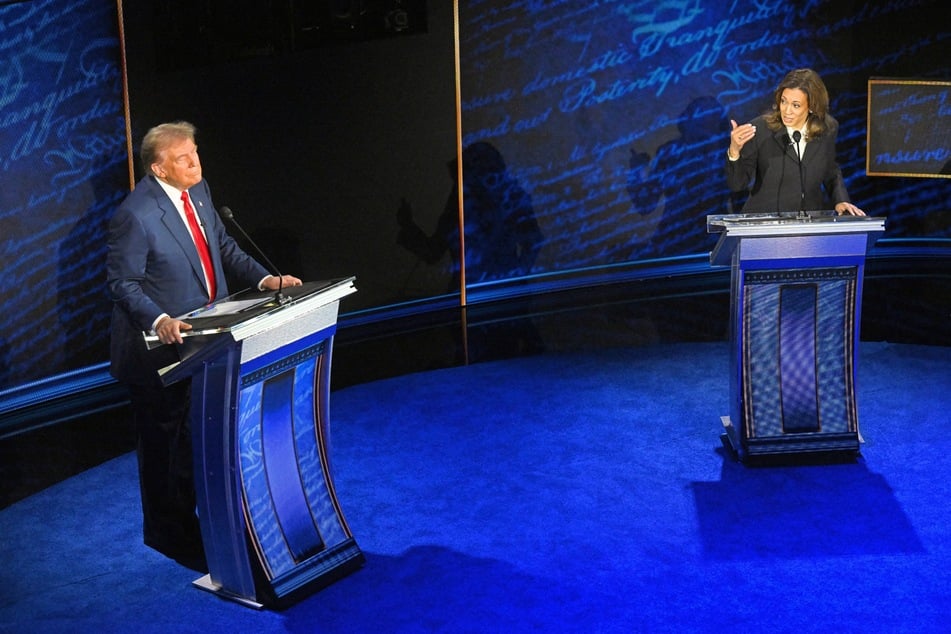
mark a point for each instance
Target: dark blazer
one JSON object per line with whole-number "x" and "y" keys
{"x": 153, "y": 268}
{"x": 768, "y": 168}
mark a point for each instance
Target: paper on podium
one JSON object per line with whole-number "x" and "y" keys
{"x": 224, "y": 307}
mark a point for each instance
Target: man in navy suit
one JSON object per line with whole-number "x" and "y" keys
{"x": 156, "y": 272}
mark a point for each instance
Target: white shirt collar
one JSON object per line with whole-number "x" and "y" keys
{"x": 801, "y": 131}
{"x": 174, "y": 193}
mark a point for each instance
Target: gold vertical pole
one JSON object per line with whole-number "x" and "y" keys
{"x": 460, "y": 188}
{"x": 125, "y": 95}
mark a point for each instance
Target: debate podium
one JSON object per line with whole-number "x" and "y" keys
{"x": 795, "y": 311}
{"x": 271, "y": 524}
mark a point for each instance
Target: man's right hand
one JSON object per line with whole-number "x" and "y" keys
{"x": 169, "y": 329}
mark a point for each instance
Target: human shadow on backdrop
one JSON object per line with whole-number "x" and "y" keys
{"x": 82, "y": 303}
{"x": 502, "y": 242}
{"x": 683, "y": 183}
{"x": 502, "y": 236}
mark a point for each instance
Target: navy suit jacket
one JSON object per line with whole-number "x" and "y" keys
{"x": 768, "y": 168}
{"x": 153, "y": 268}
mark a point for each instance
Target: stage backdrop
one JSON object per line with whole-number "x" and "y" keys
{"x": 614, "y": 116}
{"x": 595, "y": 135}
{"x": 63, "y": 169}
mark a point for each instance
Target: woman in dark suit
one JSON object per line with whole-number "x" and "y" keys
{"x": 786, "y": 157}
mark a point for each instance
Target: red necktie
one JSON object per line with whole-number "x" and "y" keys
{"x": 201, "y": 244}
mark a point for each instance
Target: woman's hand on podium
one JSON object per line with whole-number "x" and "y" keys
{"x": 848, "y": 209}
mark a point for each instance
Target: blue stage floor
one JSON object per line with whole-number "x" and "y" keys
{"x": 562, "y": 492}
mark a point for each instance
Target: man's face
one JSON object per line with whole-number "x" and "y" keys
{"x": 178, "y": 164}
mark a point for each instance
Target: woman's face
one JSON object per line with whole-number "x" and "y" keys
{"x": 794, "y": 107}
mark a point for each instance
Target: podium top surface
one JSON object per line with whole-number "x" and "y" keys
{"x": 248, "y": 311}
{"x": 783, "y": 229}
{"x": 253, "y": 316}
{"x": 792, "y": 223}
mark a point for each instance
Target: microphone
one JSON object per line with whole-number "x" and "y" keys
{"x": 797, "y": 137}
{"x": 281, "y": 298}
{"x": 782, "y": 174}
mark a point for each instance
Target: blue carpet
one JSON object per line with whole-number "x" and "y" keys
{"x": 573, "y": 492}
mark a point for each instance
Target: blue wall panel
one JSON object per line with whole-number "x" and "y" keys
{"x": 63, "y": 169}
{"x": 611, "y": 118}
{"x": 614, "y": 115}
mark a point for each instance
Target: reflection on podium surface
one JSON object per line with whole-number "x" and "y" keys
{"x": 717, "y": 222}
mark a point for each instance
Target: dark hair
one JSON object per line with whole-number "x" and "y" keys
{"x": 160, "y": 137}
{"x": 809, "y": 82}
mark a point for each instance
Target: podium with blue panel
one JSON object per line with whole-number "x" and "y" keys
{"x": 796, "y": 298}
{"x": 270, "y": 519}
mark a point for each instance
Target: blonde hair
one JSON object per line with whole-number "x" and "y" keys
{"x": 160, "y": 137}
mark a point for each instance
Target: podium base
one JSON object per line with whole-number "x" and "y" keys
{"x": 205, "y": 583}
{"x": 790, "y": 449}
{"x": 305, "y": 579}
{"x": 728, "y": 439}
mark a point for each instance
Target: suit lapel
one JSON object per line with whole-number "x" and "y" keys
{"x": 811, "y": 148}
{"x": 782, "y": 139}
{"x": 202, "y": 207}
{"x": 176, "y": 227}
{"x": 208, "y": 217}
{"x": 789, "y": 147}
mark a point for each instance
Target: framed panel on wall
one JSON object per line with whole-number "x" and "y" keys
{"x": 909, "y": 128}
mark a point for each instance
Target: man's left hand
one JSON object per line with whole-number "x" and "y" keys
{"x": 273, "y": 283}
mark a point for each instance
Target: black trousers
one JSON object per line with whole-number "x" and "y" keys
{"x": 166, "y": 469}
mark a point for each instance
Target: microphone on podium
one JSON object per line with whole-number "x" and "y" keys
{"x": 281, "y": 298}
{"x": 797, "y": 137}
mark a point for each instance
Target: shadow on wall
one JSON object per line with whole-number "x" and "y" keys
{"x": 502, "y": 236}
{"x": 681, "y": 178}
